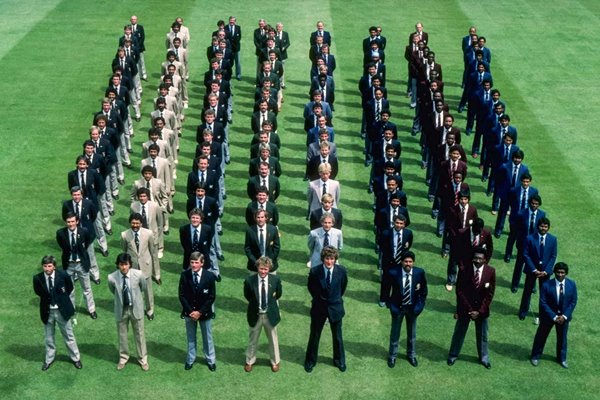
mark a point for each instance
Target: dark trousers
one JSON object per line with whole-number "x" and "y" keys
{"x": 541, "y": 335}
{"x": 411, "y": 334}
{"x": 312, "y": 350}
{"x": 481, "y": 336}
{"x": 527, "y": 290}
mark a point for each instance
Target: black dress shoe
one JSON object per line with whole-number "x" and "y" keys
{"x": 221, "y": 257}
{"x": 451, "y": 361}
{"x": 513, "y": 289}
{"x": 96, "y": 281}
{"x": 150, "y": 317}
{"x": 308, "y": 368}
{"x": 506, "y": 259}
{"x": 104, "y": 253}
{"x": 522, "y": 317}
{"x": 93, "y": 315}
{"x": 78, "y": 364}
{"x": 218, "y": 278}
{"x": 342, "y": 367}
{"x": 391, "y": 362}
{"x": 534, "y": 362}
{"x": 166, "y": 233}
{"x": 108, "y": 231}
{"x": 111, "y": 212}
{"x": 212, "y": 367}
{"x": 413, "y": 361}
{"x": 45, "y": 366}
{"x": 188, "y": 366}
{"x": 486, "y": 364}
{"x": 116, "y": 196}
{"x": 121, "y": 182}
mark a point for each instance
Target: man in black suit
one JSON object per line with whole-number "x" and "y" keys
{"x": 205, "y": 177}
{"x": 74, "y": 241}
{"x": 87, "y": 213}
{"x": 234, "y": 34}
{"x": 138, "y": 32}
{"x": 262, "y": 203}
{"x": 326, "y": 284}
{"x": 409, "y": 291}
{"x": 196, "y": 236}
{"x": 91, "y": 183}
{"x": 263, "y": 290}
{"x": 197, "y": 295}
{"x": 54, "y": 287}
{"x": 320, "y": 32}
{"x": 326, "y": 206}
{"x": 264, "y": 178}
{"x": 262, "y": 239}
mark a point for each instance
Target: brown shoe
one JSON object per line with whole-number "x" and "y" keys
{"x": 275, "y": 368}
{"x": 248, "y": 367}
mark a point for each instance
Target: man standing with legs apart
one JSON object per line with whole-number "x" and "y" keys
{"x": 263, "y": 290}
{"x": 474, "y": 293}
{"x": 129, "y": 287}
{"x": 326, "y": 283}
{"x": 53, "y": 287}
{"x": 558, "y": 298}
{"x": 197, "y": 294}
{"x": 409, "y": 291}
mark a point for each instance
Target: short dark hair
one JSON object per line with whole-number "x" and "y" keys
{"x": 49, "y": 260}
{"x": 561, "y": 265}
{"x": 123, "y": 258}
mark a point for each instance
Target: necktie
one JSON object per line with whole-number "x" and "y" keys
{"x": 513, "y": 180}
{"x": 561, "y": 298}
{"x": 261, "y": 242}
{"x": 147, "y": 184}
{"x": 487, "y": 96}
{"x": 137, "y": 241}
{"x": 73, "y": 247}
{"x": 126, "y": 296}
{"x": 480, "y": 77}
{"x": 144, "y": 217}
{"x": 200, "y": 203}
{"x": 326, "y": 239}
{"x": 506, "y": 152}
{"x": 51, "y": 290}
{"x": 406, "y": 290}
{"x": 477, "y": 277}
{"x": 202, "y": 177}
{"x": 542, "y": 245}
{"x": 475, "y": 240}
{"x": 531, "y": 222}
{"x": 456, "y": 192}
{"x": 82, "y": 180}
{"x": 196, "y": 279}
{"x": 523, "y": 199}
{"x": 377, "y": 110}
{"x": 195, "y": 240}
{"x": 452, "y": 169}
{"x": 328, "y": 279}
{"x": 463, "y": 216}
{"x": 77, "y": 211}
{"x": 324, "y": 189}
{"x": 263, "y": 295}
{"x": 95, "y": 145}
{"x": 398, "y": 252}
{"x": 264, "y": 182}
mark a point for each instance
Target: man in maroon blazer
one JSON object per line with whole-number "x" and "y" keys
{"x": 474, "y": 293}
{"x": 460, "y": 220}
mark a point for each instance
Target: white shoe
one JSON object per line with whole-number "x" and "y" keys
{"x": 160, "y": 254}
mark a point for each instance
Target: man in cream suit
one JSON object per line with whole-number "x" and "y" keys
{"x": 319, "y": 187}
{"x": 263, "y": 290}
{"x": 139, "y": 243}
{"x": 129, "y": 288}
{"x": 152, "y": 217}
{"x": 324, "y": 236}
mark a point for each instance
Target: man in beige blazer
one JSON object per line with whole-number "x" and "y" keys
{"x": 139, "y": 243}
{"x": 129, "y": 287}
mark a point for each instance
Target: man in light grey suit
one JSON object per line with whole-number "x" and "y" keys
{"x": 129, "y": 288}
{"x": 322, "y": 237}
{"x": 139, "y": 243}
{"x": 319, "y": 187}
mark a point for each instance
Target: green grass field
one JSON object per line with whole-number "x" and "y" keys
{"x": 56, "y": 58}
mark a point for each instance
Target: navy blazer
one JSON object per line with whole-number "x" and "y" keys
{"x": 87, "y": 215}
{"x": 549, "y": 307}
{"x": 327, "y": 302}
{"x": 252, "y": 249}
{"x": 204, "y": 243}
{"x": 514, "y": 201}
{"x": 197, "y": 298}
{"x": 251, "y": 293}
{"x": 418, "y": 292}
{"x": 82, "y": 241}
{"x": 387, "y": 243}
{"x": 523, "y": 222}
{"x": 63, "y": 286}
{"x": 536, "y": 262}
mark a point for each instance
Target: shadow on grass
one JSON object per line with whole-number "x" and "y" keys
{"x": 29, "y": 352}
